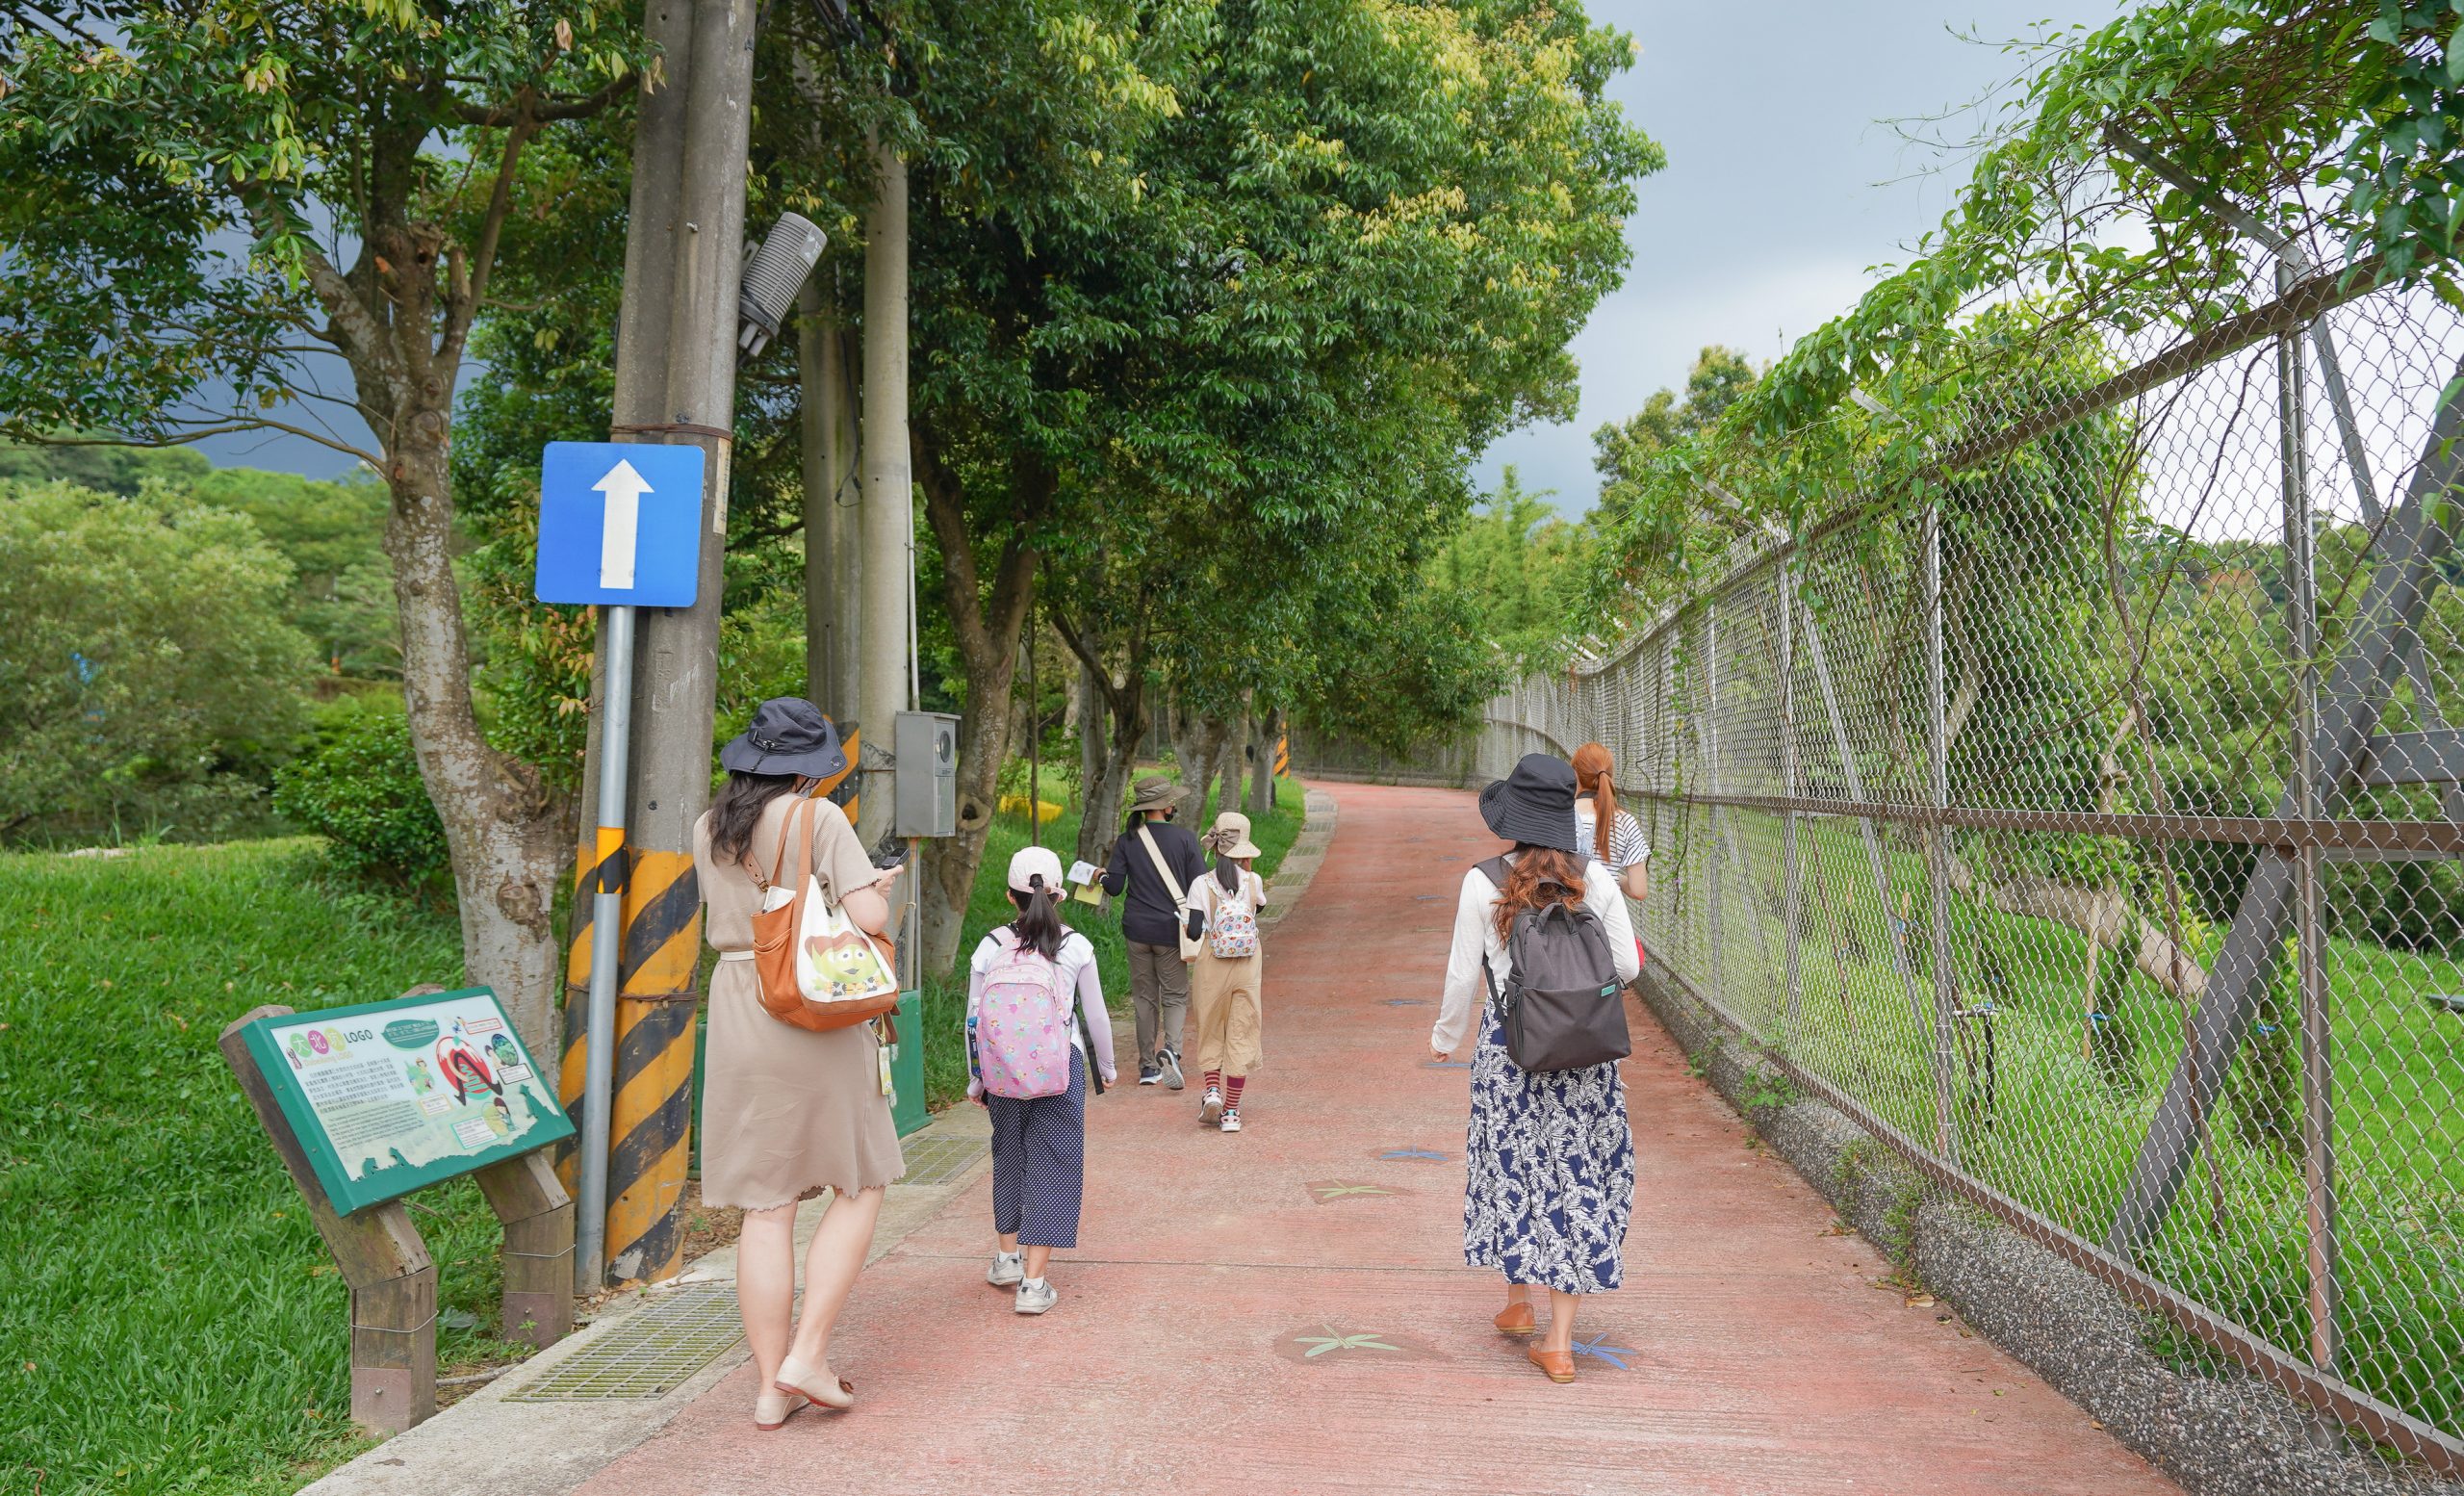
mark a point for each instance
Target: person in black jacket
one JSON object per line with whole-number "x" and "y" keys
{"x": 1159, "y": 979}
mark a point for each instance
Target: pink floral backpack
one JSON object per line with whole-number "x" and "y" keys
{"x": 1021, "y": 1033}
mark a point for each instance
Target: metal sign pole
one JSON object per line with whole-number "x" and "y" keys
{"x": 606, "y": 952}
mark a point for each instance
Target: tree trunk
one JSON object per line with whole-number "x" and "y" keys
{"x": 1086, "y": 722}
{"x": 2098, "y": 914}
{"x": 506, "y": 832}
{"x": 1107, "y": 759}
{"x": 1195, "y": 741}
{"x": 1227, "y": 764}
{"x": 1262, "y": 772}
{"x": 1104, "y": 808}
{"x": 988, "y": 629}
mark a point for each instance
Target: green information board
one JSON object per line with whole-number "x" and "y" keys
{"x": 388, "y": 1097}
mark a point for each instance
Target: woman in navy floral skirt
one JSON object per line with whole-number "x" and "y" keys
{"x": 1550, "y": 1156}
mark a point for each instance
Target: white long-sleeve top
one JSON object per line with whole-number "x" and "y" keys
{"x": 1475, "y": 938}
{"x": 1090, "y": 1028}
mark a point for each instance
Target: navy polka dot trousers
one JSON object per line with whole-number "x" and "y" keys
{"x": 1040, "y": 1162}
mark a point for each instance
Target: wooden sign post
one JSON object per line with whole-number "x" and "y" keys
{"x": 457, "y": 1119}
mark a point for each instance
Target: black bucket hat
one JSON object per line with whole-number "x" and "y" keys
{"x": 1535, "y": 804}
{"x": 788, "y": 735}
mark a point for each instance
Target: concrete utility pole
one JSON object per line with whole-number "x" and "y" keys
{"x": 834, "y": 607}
{"x": 675, "y": 382}
{"x": 889, "y": 506}
{"x": 642, "y": 330}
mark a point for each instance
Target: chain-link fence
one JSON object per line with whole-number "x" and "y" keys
{"x": 2087, "y": 825}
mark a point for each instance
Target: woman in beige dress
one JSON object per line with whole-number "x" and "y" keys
{"x": 789, "y": 1112}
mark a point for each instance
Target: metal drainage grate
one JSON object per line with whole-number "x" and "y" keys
{"x": 939, "y": 1160}
{"x": 649, "y": 1355}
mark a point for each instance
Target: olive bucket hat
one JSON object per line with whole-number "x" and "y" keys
{"x": 788, "y": 735}
{"x": 1534, "y": 804}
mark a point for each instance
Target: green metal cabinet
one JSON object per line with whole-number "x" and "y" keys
{"x": 907, "y": 1066}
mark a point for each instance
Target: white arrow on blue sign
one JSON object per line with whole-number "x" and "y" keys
{"x": 620, "y": 523}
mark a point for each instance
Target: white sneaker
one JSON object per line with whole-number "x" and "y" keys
{"x": 1036, "y": 1295}
{"x": 1171, "y": 1065}
{"x": 1231, "y": 1121}
{"x": 1211, "y": 1109}
{"x": 1008, "y": 1268}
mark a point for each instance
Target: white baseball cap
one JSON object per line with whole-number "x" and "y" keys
{"x": 1027, "y": 864}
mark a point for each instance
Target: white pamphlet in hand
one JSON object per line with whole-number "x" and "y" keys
{"x": 1084, "y": 872}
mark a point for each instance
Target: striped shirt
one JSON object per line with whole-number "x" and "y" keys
{"x": 1625, "y": 844}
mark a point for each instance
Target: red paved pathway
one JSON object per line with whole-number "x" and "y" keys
{"x": 1758, "y": 1357}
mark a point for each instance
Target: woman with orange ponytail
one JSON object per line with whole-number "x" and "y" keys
{"x": 1609, "y": 834}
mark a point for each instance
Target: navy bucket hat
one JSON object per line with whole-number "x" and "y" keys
{"x": 788, "y": 735}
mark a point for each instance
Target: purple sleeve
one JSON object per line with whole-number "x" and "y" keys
{"x": 974, "y": 1000}
{"x": 1091, "y": 1009}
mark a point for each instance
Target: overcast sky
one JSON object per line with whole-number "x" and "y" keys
{"x": 1782, "y": 191}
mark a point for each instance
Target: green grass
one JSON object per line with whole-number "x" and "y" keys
{"x": 945, "y": 998}
{"x": 172, "y": 1321}
{"x": 2068, "y": 1117}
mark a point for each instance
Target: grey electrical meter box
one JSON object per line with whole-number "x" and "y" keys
{"x": 925, "y": 774}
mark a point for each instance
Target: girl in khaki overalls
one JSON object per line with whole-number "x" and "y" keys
{"x": 1222, "y": 910}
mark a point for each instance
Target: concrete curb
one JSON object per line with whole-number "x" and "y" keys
{"x": 1299, "y": 865}
{"x": 2227, "y": 1436}
{"x": 485, "y": 1445}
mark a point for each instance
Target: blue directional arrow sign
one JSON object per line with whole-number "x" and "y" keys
{"x": 620, "y": 523}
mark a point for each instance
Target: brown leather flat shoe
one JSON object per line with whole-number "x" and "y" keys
{"x": 1558, "y": 1364}
{"x": 1516, "y": 1319}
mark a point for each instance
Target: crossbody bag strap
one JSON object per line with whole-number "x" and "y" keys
{"x": 1155, "y": 854}
{"x": 751, "y": 865}
{"x": 800, "y": 827}
{"x": 1495, "y": 870}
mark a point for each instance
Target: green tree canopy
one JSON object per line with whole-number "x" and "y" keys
{"x": 149, "y": 673}
{"x": 1520, "y": 568}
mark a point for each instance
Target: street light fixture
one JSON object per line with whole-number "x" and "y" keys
{"x": 772, "y": 275}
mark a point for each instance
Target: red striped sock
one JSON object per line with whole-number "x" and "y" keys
{"x": 1213, "y": 1080}
{"x": 1232, "y": 1093}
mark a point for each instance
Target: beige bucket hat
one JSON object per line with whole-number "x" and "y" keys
{"x": 1230, "y": 837}
{"x": 1154, "y": 792}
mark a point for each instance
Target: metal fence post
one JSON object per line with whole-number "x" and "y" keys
{"x": 1793, "y": 903}
{"x": 1937, "y": 847}
{"x": 2318, "y": 1078}
{"x": 1710, "y": 737}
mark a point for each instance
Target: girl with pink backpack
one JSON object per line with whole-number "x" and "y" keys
{"x": 1035, "y": 1023}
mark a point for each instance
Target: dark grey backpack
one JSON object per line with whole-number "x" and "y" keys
{"x": 1562, "y": 1005}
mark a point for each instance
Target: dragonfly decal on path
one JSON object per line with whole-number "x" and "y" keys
{"x": 1325, "y": 1190}
{"x": 1330, "y": 1341}
{"x": 1599, "y": 1348}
